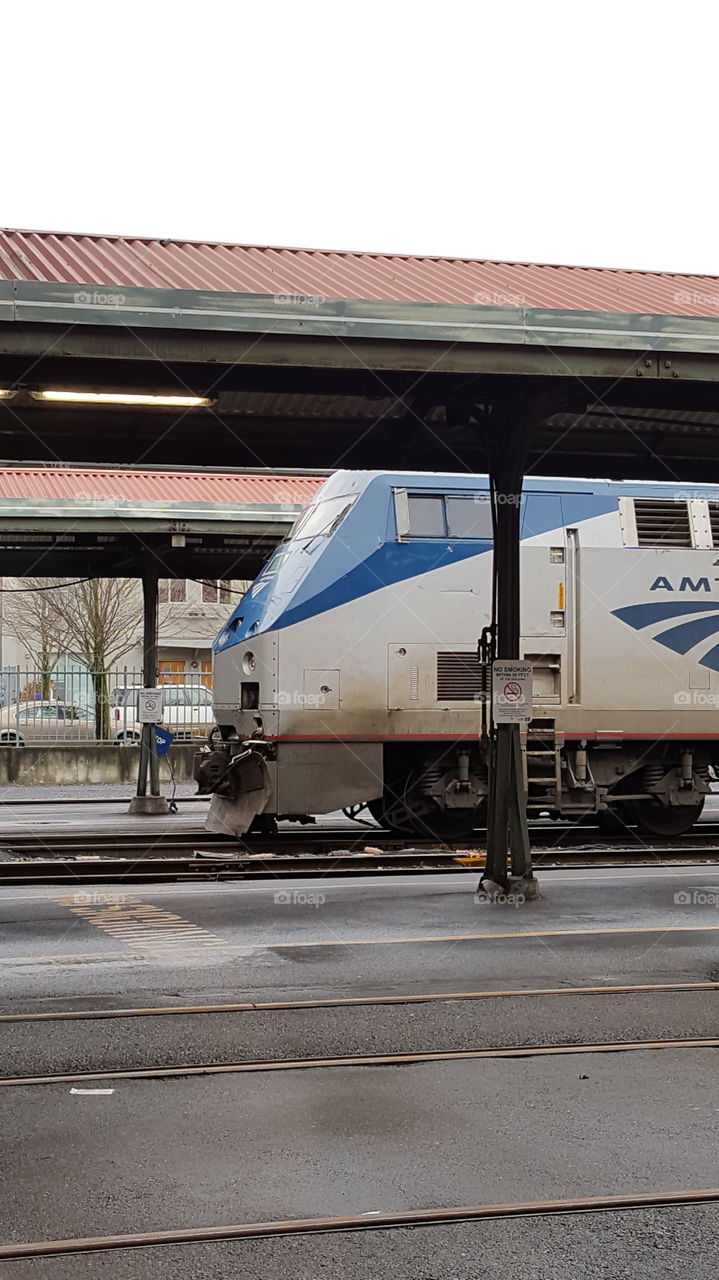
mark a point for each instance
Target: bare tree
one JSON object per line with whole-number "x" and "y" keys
{"x": 100, "y": 620}
{"x": 31, "y": 615}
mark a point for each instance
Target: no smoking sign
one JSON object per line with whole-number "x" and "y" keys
{"x": 149, "y": 706}
{"x": 512, "y": 692}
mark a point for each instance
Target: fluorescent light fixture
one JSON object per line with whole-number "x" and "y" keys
{"x": 122, "y": 397}
{"x": 6, "y": 394}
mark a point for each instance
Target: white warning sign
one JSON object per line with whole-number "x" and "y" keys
{"x": 512, "y": 692}
{"x": 149, "y": 706}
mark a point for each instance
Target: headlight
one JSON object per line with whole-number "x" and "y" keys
{"x": 248, "y": 663}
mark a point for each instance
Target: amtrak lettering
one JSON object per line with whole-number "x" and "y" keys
{"x": 686, "y": 584}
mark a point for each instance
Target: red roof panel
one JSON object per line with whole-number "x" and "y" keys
{"x": 225, "y": 489}
{"x": 233, "y": 268}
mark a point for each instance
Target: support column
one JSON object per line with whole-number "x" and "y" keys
{"x": 148, "y": 765}
{"x": 507, "y": 831}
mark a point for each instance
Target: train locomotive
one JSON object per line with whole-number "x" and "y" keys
{"x": 348, "y": 674}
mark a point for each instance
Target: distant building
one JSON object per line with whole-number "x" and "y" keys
{"x": 190, "y": 615}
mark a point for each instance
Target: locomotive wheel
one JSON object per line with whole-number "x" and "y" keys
{"x": 382, "y": 812}
{"x": 665, "y": 820}
{"x": 424, "y": 822}
{"x": 610, "y": 822}
{"x": 449, "y": 824}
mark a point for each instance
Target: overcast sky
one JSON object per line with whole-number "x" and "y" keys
{"x": 574, "y": 132}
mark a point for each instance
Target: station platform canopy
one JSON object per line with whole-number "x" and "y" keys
{"x": 156, "y": 352}
{"x": 66, "y": 521}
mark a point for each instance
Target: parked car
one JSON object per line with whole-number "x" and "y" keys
{"x": 31, "y": 722}
{"x": 186, "y": 711}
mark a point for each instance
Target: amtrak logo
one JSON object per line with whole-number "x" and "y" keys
{"x": 702, "y": 621}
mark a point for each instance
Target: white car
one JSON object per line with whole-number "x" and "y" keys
{"x": 31, "y": 722}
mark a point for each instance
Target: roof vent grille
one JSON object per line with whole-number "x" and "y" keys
{"x": 459, "y": 677}
{"x": 661, "y": 522}
{"x": 714, "y": 522}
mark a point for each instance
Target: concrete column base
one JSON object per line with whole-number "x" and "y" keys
{"x": 149, "y": 805}
{"x": 519, "y": 889}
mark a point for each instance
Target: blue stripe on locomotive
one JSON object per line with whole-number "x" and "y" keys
{"x": 363, "y": 555}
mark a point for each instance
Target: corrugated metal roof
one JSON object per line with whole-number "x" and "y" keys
{"x": 97, "y": 485}
{"x": 183, "y": 264}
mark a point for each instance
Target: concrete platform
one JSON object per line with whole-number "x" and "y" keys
{"x": 103, "y": 817}
{"x": 289, "y": 939}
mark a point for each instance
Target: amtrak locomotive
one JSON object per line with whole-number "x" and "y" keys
{"x": 348, "y": 674}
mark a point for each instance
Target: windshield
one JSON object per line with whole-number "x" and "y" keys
{"x": 322, "y": 518}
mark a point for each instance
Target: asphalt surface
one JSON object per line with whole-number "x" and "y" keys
{"x": 203, "y": 1151}
{"x": 28, "y": 1049}
{"x": 659, "y": 1243}
{"x": 198, "y": 1151}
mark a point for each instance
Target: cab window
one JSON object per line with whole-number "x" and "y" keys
{"x": 426, "y": 516}
{"x": 322, "y": 518}
{"x": 437, "y": 515}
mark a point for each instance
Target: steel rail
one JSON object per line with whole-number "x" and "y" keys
{"x": 556, "y": 837}
{"x": 360, "y": 1222}
{"x": 341, "y": 1002}
{"x": 335, "y": 863}
{"x": 357, "y": 1060}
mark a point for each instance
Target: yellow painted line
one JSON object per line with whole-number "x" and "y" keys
{"x": 560, "y": 596}
{"x": 474, "y": 937}
{"x": 233, "y": 948}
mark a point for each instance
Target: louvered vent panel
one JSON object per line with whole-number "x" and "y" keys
{"x": 459, "y": 677}
{"x": 714, "y": 520}
{"x": 662, "y": 523}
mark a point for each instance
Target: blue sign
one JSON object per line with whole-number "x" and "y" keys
{"x": 163, "y": 740}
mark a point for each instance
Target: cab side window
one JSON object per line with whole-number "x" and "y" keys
{"x": 426, "y": 516}
{"x": 436, "y": 515}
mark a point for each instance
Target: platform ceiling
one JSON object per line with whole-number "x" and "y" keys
{"x": 316, "y": 360}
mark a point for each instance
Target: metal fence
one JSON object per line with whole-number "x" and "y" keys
{"x": 65, "y": 706}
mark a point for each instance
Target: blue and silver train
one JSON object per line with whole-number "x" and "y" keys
{"x": 348, "y": 674}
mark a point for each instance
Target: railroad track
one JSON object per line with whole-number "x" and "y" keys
{"x": 356, "y": 1060}
{"x": 351, "y": 1002}
{"x": 138, "y": 869}
{"x": 359, "y": 1222}
{"x": 310, "y": 836}
{"x": 431, "y": 1216}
